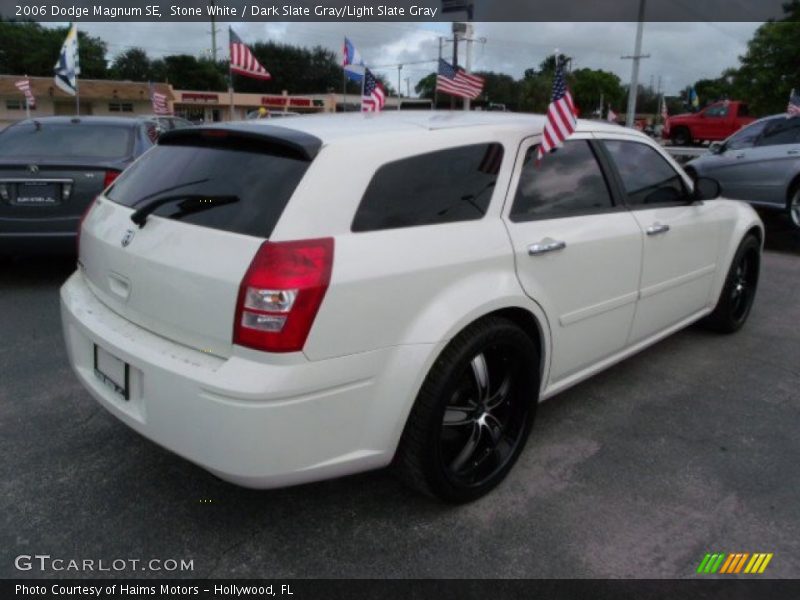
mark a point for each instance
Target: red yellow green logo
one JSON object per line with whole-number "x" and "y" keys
{"x": 734, "y": 563}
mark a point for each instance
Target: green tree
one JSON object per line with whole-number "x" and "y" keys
{"x": 30, "y": 49}
{"x": 133, "y": 64}
{"x": 590, "y": 85}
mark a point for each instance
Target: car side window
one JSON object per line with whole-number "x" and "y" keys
{"x": 747, "y": 137}
{"x": 565, "y": 183}
{"x": 646, "y": 176}
{"x": 717, "y": 111}
{"x": 438, "y": 187}
{"x": 780, "y": 131}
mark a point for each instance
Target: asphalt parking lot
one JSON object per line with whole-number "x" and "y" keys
{"x": 690, "y": 447}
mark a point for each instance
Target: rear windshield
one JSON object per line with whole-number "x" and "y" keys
{"x": 66, "y": 140}
{"x": 239, "y": 190}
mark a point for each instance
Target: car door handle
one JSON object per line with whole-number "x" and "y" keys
{"x": 740, "y": 156}
{"x": 793, "y": 152}
{"x": 657, "y": 228}
{"x": 546, "y": 246}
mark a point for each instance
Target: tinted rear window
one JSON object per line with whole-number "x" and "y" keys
{"x": 238, "y": 190}
{"x": 439, "y": 187}
{"x": 66, "y": 140}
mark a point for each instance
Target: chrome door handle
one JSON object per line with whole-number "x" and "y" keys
{"x": 544, "y": 247}
{"x": 657, "y": 228}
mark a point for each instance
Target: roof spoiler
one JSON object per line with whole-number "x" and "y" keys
{"x": 268, "y": 137}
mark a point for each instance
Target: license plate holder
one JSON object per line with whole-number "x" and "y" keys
{"x": 38, "y": 193}
{"x": 112, "y": 371}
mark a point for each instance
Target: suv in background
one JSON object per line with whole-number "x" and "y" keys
{"x": 248, "y": 299}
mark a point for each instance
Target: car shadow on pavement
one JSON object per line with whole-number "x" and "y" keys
{"x": 781, "y": 236}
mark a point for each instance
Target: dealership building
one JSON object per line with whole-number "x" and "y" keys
{"x": 107, "y": 97}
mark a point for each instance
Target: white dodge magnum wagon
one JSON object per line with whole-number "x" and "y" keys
{"x": 282, "y": 303}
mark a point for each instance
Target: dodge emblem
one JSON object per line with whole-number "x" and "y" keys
{"x": 33, "y": 169}
{"x": 128, "y": 237}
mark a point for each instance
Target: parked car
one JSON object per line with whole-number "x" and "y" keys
{"x": 169, "y": 122}
{"x": 241, "y": 303}
{"x": 51, "y": 168}
{"x": 759, "y": 164}
{"x": 715, "y": 122}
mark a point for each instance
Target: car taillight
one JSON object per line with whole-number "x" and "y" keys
{"x": 110, "y": 177}
{"x": 281, "y": 293}
{"x": 85, "y": 214}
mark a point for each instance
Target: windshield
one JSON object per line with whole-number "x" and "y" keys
{"x": 66, "y": 140}
{"x": 238, "y": 190}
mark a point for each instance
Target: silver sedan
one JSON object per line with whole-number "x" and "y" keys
{"x": 759, "y": 164}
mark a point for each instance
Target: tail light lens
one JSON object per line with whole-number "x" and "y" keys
{"x": 85, "y": 214}
{"x": 281, "y": 293}
{"x": 110, "y": 177}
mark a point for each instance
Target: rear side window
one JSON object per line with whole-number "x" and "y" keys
{"x": 239, "y": 188}
{"x": 66, "y": 140}
{"x": 566, "y": 183}
{"x": 647, "y": 177}
{"x": 438, "y": 187}
{"x": 780, "y": 131}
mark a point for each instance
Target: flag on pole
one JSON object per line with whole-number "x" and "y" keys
{"x": 68, "y": 66}
{"x": 159, "y": 102}
{"x": 353, "y": 63}
{"x": 243, "y": 61}
{"x": 374, "y": 96}
{"x": 561, "y": 114}
{"x": 612, "y": 116}
{"x": 694, "y": 100}
{"x": 664, "y": 117}
{"x": 793, "y": 109}
{"x": 24, "y": 86}
{"x": 457, "y": 82}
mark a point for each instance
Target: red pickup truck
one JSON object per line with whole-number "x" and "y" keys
{"x": 715, "y": 122}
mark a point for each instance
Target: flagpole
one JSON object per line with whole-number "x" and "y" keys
{"x": 363, "y": 81}
{"x": 27, "y": 106}
{"x": 230, "y": 73}
{"x": 344, "y": 77}
{"x": 77, "y": 98}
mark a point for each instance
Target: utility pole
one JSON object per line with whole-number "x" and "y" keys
{"x": 399, "y": 89}
{"x": 468, "y": 63}
{"x": 636, "y": 57}
{"x": 436, "y": 87}
{"x": 213, "y": 33}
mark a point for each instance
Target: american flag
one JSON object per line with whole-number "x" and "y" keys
{"x": 456, "y": 81}
{"x": 374, "y": 96}
{"x": 612, "y": 116}
{"x": 24, "y": 86}
{"x": 159, "y": 101}
{"x": 793, "y": 109}
{"x": 492, "y": 158}
{"x": 243, "y": 62}
{"x": 561, "y": 115}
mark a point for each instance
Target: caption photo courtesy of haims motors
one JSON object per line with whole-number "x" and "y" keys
{"x": 435, "y": 299}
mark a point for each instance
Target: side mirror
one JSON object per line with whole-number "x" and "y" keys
{"x": 706, "y": 188}
{"x": 716, "y": 148}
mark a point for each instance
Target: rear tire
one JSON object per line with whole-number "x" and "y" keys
{"x": 682, "y": 137}
{"x": 739, "y": 291}
{"x": 473, "y": 414}
{"x": 793, "y": 208}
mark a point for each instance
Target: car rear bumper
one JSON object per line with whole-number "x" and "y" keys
{"x": 255, "y": 423}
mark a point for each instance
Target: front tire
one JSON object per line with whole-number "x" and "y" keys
{"x": 739, "y": 291}
{"x": 473, "y": 414}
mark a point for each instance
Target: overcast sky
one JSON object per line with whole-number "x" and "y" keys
{"x": 680, "y": 53}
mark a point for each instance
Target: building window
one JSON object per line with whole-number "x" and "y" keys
{"x": 15, "y": 105}
{"x": 120, "y": 107}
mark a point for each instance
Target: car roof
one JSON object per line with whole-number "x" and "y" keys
{"x": 329, "y": 127}
{"x": 131, "y": 121}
